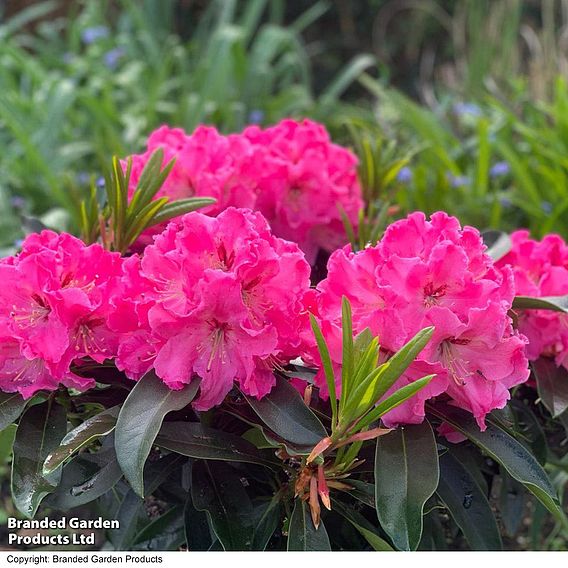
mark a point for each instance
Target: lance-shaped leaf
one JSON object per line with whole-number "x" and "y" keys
{"x": 85, "y": 478}
{"x": 140, "y": 420}
{"x": 11, "y": 406}
{"x": 100, "y": 425}
{"x": 197, "y": 533}
{"x": 406, "y": 475}
{"x": 553, "y": 303}
{"x": 552, "y": 384}
{"x": 217, "y": 489}
{"x": 39, "y": 432}
{"x": 285, "y": 413}
{"x": 302, "y": 534}
{"x": 503, "y": 448}
{"x": 467, "y": 504}
{"x": 197, "y": 441}
{"x": 367, "y": 530}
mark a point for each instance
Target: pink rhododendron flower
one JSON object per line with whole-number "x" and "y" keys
{"x": 292, "y": 173}
{"x": 304, "y": 180}
{"x": 540, "y": 268}
{"x": 218, "y": 297}
{"x": 430, "y": 272}
{"x": 54, "y": 309}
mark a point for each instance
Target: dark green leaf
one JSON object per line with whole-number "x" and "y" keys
{"x": 11, "y": 406}
{"x": 197, "y": 441}
{"x": 511, "y": 503}
{"x": 507, "y": 451}
{"x": 164, "y": 533}
{"x": 100, "y": 425}
{"x": 552, "y": 383}
{"x": 286, "y": 414}
{"x": 140, "y": 420}
{"x": 554, "y": 303}
{"x": 131, "y": 513}
{"x": 302, "y": 534}
{"x": 363, "y": 492}
{"x": 267, "y": 524}
{"x": 85, "y": 478}
{"x": 197, "y": 533}
{"x": 217, "y": 489}
{"x": 39, "y": 432}
{"x": 406, "y": 475}
{"x": 366, "y": 529}
{"x": 528, "y": 429}
{"x": 468, "y": 505}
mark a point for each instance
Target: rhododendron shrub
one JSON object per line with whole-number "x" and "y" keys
{"x": 431, "y": 272}
{"x": 217, "y": 297}
{"x": 292, "y": 173}
{"x": 164, "y": 376}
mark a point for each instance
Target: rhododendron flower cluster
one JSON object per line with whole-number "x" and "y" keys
{"x": 214, "y": 297}
{"x": 292, "y": 173}
{"x": 218, "y": 297}
{"x": 540, "y": 268}
{"x": 425, "y": 273}
{"x": 54, "y": 306}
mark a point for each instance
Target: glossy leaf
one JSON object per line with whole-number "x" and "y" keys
{"x": 511, "y": 503}
{"x": 369, "y": 533}
{"x": 468, "y": 505}
{"x": 140, "y": 420}
{"x": 553, "y": 303}
{"x": 507, "y": 451}
{"x": 131, "y": 513}
{"x": 286, "y": 414}
{"x": 11, "y": 406}
{"x": 39, "y": 432}
{"x": 552, "y": 384}
{"x": 197, "y": 441}
{"x": 266, "y": 525}
{"x": 197, "y": 533}
{"x": 85, "y": 478}
{"x": 100, "y": 425}
{"x": 217, "y": 489}
{"x": 406, "y": 475}
{"x": 302, "y": 534}
{"x": 7, "y": 437}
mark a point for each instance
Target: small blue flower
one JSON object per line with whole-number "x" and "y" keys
{"x": 100, "y": 182}
{"x": 404, "y": 175}
{"x": 463, "y": 109}
{"x": 18, "y": 202}
{"x": 90, "y": 35}
{"x": 83, "y": 178}
{"x": 256, "y": 116}
{"x": 113, "y": 56}
{"x": 458, "y": 181}
{"x": 505, "y": 202}
{"x": 546, "y": 206}
{"x": 499, "y": 169}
